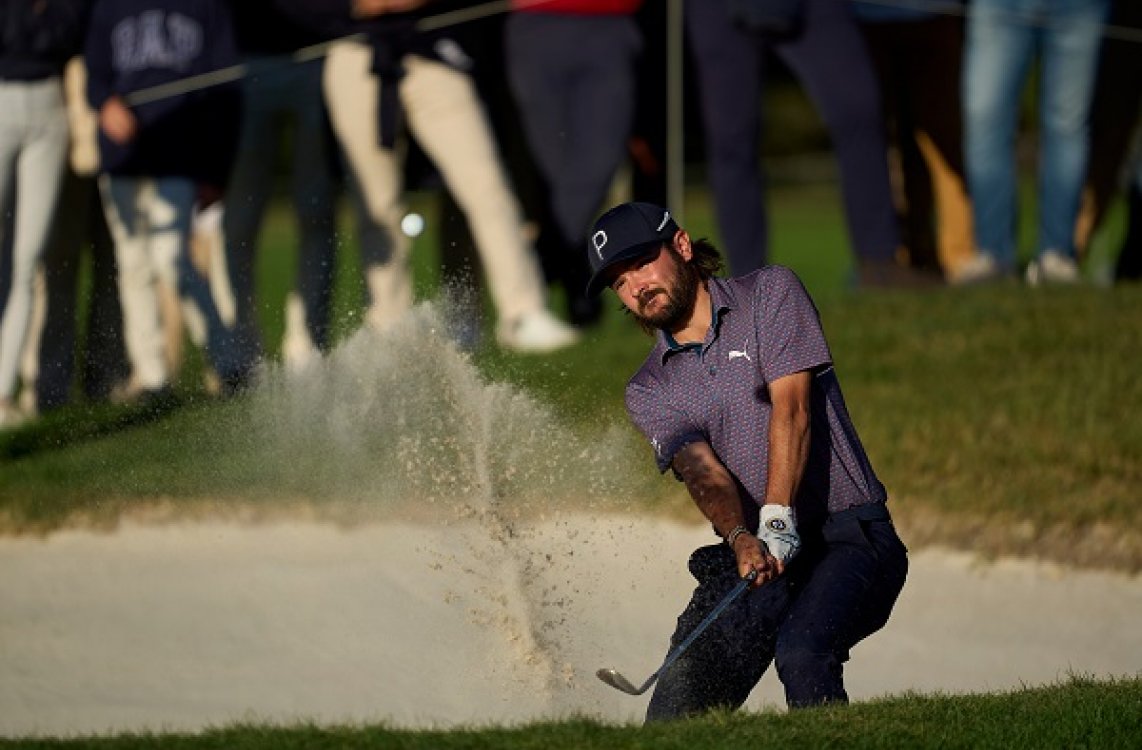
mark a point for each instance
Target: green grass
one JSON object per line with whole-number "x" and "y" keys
{"x": 1079, "y": 714}
{"x": 1000, "y": 418}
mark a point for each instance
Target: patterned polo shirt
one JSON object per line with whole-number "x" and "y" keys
{"x": 764, "y": 327}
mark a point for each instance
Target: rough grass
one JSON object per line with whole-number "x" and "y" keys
{"x": 1081, "y": 713}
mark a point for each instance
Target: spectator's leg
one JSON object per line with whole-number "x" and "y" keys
{"x": 997, "y": 55}
{"x": 447, "y": 120}
{"x": 889, "y": 51}
{"x": 937, "y": 62}
{"x": 729, "y": 68}
{"x": 313, "y": 199}
{"x": 574, "y": 80}
{"x": 351, "y": 94}
{"x": 1069, "y": 62}
{"x": 105, "y": 362}
{"x": 170, "y": 212}
{"x": 831, "y": 60}
{"x": 33, "y": 164}
{"x": 138, "y": 291}
{"x": 251, "y": 181}
{"x": 56, "y": 350}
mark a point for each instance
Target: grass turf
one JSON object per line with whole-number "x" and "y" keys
{"x": 1080, "y": 713}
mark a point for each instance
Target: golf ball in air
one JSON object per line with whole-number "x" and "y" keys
{"x": 412, "y": 225}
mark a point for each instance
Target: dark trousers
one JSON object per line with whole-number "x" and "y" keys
{"x": 573, "y": 78}
{"x": 838, "y": 591}
{"x": 918, "y": 65}
{"x": 103, "y": 358}
{"x": 829, "y": 57}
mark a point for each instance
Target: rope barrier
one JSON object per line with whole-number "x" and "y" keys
{"x": 489, "y": 9}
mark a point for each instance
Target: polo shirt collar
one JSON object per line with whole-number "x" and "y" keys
{"x": 721, "y": 300}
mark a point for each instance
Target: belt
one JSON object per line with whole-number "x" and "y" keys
{"x": 866, "y": 512}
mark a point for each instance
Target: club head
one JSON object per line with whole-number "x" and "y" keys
{"x": 618, "y": 682}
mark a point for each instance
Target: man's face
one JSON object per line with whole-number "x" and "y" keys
{"x": 659, "y": 288}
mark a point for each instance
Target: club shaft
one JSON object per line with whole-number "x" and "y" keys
{"x": 672, "y": 657}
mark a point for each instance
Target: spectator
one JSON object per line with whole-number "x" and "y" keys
{"x": 37, "y": 40}
{"x": 158, "y": 159}
{"x": 820, "y": 41}
{"x": 572, "y": 67}
{"x": 917, "y": 55}
{"x": 281, "y": 97}
{"x": 1003, "y": 37}
{"x": 402, "y": 73}
{"x": 49, "y": 361}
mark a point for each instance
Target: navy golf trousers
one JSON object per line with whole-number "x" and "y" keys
{"x": 837, "y": 591}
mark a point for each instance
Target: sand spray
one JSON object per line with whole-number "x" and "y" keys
{"x": 402, "y": 425}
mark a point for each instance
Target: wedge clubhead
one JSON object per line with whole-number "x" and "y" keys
{"x": 618, "y": 682}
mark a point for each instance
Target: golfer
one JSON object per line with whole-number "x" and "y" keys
{"x": 740, "y": 399}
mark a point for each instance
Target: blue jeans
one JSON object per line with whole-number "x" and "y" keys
{"x": 840, "y": 589}
{"x": 1003, "y": 37}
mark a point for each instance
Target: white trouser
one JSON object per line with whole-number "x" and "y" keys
{"x": 445, "y": 115}
{"x": 150, "y": 222}
{"x": 33, "y": 150}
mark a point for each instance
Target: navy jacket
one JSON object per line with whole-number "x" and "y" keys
{"x": 38, "y": 38}
{"x": 137, "y": 44}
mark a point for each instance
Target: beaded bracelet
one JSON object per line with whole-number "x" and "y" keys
{"x": 734, "y": 534}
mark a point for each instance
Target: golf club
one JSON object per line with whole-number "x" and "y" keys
{"x": 617, "y": 681}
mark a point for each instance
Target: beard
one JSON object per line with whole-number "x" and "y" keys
{"x": 677, "y": 297}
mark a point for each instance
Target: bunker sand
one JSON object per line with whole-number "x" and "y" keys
{"x": 182, "y": 626}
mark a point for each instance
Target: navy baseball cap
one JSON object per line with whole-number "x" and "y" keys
{"x": 627, "y": 231}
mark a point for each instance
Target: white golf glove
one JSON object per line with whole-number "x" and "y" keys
{"x": 779, "y": 532}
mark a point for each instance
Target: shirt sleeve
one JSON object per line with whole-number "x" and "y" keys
{"x": 667, "y": 428}
{"x": 97, "y": 58}
{"x": 789, "y": 327}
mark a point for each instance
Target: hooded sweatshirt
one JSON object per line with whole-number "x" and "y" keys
{"x": 136, "y": 44}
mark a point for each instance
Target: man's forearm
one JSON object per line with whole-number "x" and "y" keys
{"x": 788, "y": 455}
{"x": 788, "y": 438}
{"x": 711, "y": 486}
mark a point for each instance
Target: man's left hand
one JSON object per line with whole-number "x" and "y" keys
{"x": 778, "y": 531}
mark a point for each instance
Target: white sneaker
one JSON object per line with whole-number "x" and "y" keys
{"x": 536, "y": 332}
{"x": 1052, "y": 267}
{"x": 298, "y": 349}
{"x": 980, "y": 268}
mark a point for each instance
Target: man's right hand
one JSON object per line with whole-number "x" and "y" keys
{"x": 374, "y": 8}
{"x": 753, "y": 556}
{"x": 118, "y": 121}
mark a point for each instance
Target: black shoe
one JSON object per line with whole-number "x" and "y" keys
{"x": 236, "y": 383}
{"x": 888, "y": 274}
{"x": 155, "y": 400}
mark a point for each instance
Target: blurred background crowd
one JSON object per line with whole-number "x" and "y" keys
{"x": 143, "y": 140}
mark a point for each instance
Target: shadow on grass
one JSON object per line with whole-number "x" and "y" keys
{"x": 75, "y": 424}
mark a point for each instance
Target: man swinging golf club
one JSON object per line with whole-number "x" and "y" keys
{"x": 739, "y": 397}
